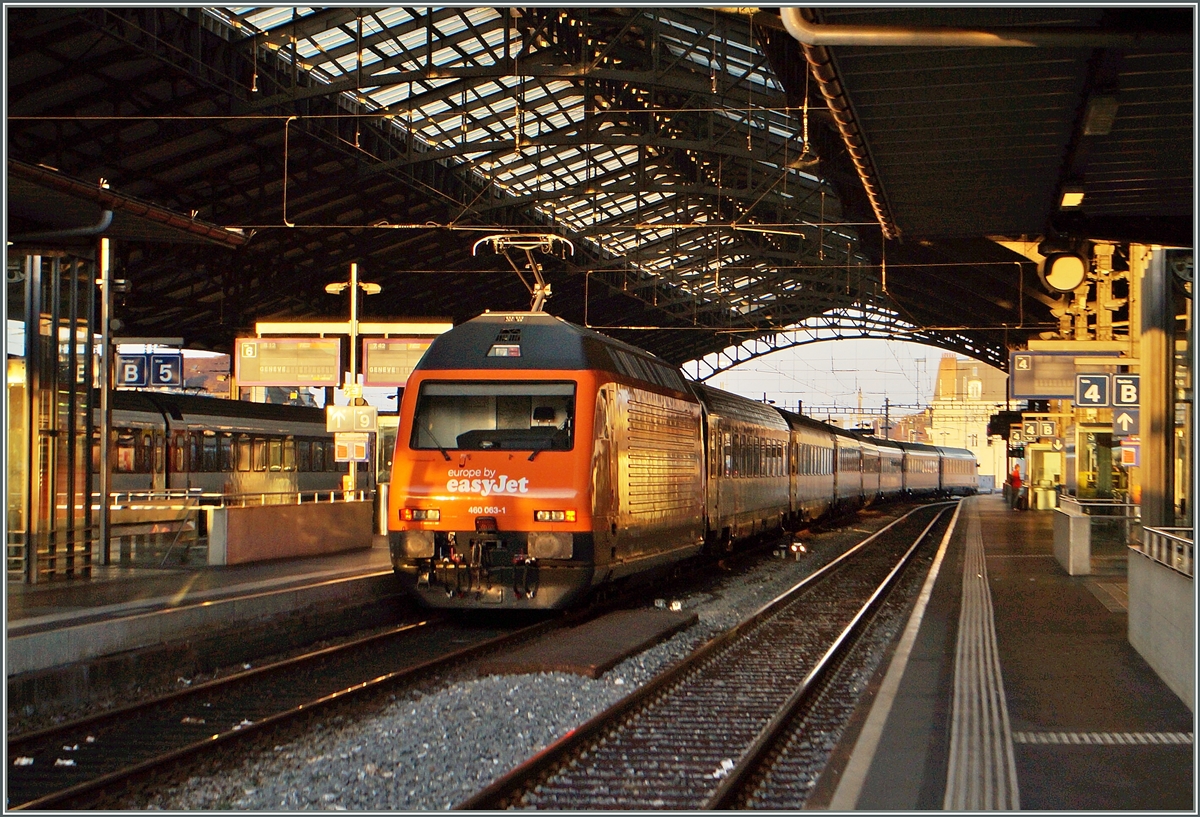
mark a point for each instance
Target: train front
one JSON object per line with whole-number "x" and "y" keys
{"x": 490, "y": 502}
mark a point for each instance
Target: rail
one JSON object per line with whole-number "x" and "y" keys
{"x": 1172, "y": 547}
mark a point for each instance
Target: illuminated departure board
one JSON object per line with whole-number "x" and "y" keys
{"x": 288, "y": 361}
{"x": 389, "y": 361}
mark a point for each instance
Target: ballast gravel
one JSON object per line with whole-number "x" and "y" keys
{"x": 432, "y": 748}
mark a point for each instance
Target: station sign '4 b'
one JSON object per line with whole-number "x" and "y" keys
{"x": 1104, "y": 390}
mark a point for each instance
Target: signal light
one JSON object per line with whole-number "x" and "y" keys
{"x": 420, "y": 515}
{"x": 554, "y": 516}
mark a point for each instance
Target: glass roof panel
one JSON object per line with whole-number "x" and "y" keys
{"x": 630, "y": 185}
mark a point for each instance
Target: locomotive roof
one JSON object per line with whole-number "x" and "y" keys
{"x": 536, "y": 340}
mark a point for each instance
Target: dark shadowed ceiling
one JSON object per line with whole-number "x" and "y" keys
{"x": 711, "y": 179}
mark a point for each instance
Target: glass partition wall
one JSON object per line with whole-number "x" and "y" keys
{"x": 51, "y": 521}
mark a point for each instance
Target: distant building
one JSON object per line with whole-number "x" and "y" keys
{"x": 210, "y": 375}
{"x": 912, "y": 428}
{"x": 967, "y": 394}
{"x": 207, "y": 375}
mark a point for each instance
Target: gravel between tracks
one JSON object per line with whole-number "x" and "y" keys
{"x": 431, "y": 748}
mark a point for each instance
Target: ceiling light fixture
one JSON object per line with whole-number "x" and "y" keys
{"x": 1071, "y": 196}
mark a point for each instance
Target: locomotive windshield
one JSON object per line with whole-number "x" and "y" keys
{"x": 514, "y": 416}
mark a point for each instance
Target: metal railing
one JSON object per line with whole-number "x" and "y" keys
{"x": 1172, "y": 547}
{"x": 66, "y": 552}
{"x": 190, "y": 497}
{"x": 1110, "y": 519}
{"x": 255, "y": 499}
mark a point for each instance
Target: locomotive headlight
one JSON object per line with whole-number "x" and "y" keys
{"x": 554, "y": 516}
{"x": 420, "y": 515}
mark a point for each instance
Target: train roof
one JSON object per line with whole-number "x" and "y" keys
{"x": 735, "y": 406}
{"x": 507, "y": 341}
{"x": 957, "y": 453}
{"x": 924, "y": 448}
{"x": 803, "y": 421}
{"x": 179, "y": 406}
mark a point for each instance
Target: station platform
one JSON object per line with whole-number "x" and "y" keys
{"x": 122, "y": 608}
{"x": 1015, "y": 687}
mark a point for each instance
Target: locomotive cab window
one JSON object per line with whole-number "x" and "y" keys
{"x": 521, "y": 416}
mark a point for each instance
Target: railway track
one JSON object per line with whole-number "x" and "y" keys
{"x": 74, "y": 764}
{"x": 705, "y": 732}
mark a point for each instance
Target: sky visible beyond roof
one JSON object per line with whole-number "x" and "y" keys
{"x": 832, "y": 373}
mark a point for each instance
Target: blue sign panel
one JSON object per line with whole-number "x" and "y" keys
{"x": 132, "y": 371}
{"x": 1126, "y": 388}
{"x": 166, "y": 369}
{"x": 1091, "y": 391}
{"x": 1126, "y": 422}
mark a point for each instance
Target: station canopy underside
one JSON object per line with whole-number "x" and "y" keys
{"x": 710, "y": 188}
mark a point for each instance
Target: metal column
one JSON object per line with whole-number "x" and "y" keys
{"x": 33, "y": 473}
{"x": 1157, "y": 394}
{"x": 104, "y": 262}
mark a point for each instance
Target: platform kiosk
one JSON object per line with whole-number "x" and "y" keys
{"x": 1045, "y": 465}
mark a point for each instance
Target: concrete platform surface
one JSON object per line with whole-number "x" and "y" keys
{"x": 1016, "y": 688}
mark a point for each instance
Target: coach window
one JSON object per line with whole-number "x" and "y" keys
{"x": 209, "y": 448}
{"x": 318, "y": 455}
{"x": 242, "y": 452}
{"x": 304, "y": 455}
{"x": 275, "y": 454}
{"x": 178, "y": 452}
{"x": 289, "y": 454}
{"x": 225, "y": 451}
{"x": 195, "y": 461}
{"x": 143, "y": 455}
{"x": 258, "y": 457}
{"x": 125, "y": 451}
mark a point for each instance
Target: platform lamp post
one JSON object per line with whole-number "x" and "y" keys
{"x": 351, "y": 387}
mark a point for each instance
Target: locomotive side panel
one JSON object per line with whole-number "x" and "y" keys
{"x": 659, "y": 479}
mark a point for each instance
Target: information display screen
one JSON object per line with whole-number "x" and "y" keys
{"x": 288, "y": 361}
{"x": 389, "y": 361}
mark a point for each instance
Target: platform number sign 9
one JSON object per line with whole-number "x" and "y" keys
{"x": 1092, "y": 391}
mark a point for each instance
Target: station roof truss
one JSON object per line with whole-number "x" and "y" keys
{"x": 687, "y": 154}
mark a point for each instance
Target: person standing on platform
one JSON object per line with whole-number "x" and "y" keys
{"x": 1015, "y": 480}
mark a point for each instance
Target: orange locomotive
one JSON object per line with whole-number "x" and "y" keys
{"x": 536, "y": 459}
